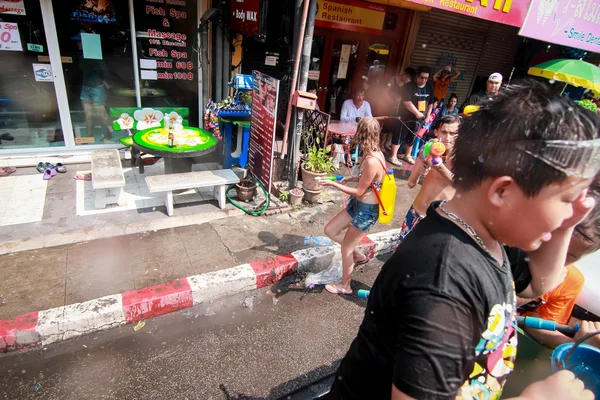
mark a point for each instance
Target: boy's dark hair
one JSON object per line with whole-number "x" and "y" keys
{"x": 447, "y": 119}
{"x": 311, "y": 85}
{"x": 410, "y": 71}
{"x": 526, "y": 111}
{"x": 589, "y": 228}
{"x": 424, "y": 70}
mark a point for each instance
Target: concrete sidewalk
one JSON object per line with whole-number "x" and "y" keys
{"x": 59, "y": 276}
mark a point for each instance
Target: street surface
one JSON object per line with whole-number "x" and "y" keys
{"x": 251, "y": 346}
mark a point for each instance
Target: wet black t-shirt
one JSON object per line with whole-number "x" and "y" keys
{"x": 439, "y": 324}
{"x": 411, "y": 92}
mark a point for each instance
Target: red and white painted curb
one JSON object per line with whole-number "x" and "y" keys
{"x": 62, "y": 323}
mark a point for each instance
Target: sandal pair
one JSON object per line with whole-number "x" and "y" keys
{"x": 59, "y": 167}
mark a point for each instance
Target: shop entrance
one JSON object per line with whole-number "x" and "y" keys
{"x": 342, "y": 61}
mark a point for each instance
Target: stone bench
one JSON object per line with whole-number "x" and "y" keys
{"x": 108, "y": 180}
{"x": 219, "y": 179}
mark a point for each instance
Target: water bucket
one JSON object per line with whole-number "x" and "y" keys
{"x": 581, "y": 359}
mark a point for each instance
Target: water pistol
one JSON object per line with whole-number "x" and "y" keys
{"x": 434, "y": 150}
{"x": 329, "y": 178}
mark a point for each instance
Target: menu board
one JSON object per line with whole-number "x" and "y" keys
{"x": 165, "y": 33}
{"x": 262, "y": 129}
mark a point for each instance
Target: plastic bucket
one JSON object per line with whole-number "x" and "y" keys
{"x": 584, "y": 362}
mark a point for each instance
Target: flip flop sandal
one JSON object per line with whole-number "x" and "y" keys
{"x": 41, "y": 167}
{"x": 7, "y": 136}
{"x": 333, "y": 290}
{"x": 363, "y": 262}
{"x": 5, "y": 171}
{"x": 83, "y": 177}
{"x": 48, "y": 174}
{"x": 53, "y": 172}
{"x": 61, "y": 168}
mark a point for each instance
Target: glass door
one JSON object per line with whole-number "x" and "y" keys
{"x": 95, "y": 49}
{"x": 344, "y": 62}
{"x": 29, "y": 114}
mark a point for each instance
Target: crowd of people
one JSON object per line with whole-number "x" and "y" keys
{"x": 502, "y": 216}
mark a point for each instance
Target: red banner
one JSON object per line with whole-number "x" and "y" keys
{"x": 509, "y": 12}
{"x": 244, "y": 17}
{"x": 262, "y": 128}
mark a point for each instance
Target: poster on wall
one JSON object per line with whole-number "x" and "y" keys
{"x": 95, "y": 11}
{"x": 245, "y": 16}
{"x": 565, "y": 23}
{"x": 166, "y": 32}
{"x": 10, "y": 40}
{"x": 16, "y": 7}
{"x": 43, "y": 73}
{"x": 262, "y": 129}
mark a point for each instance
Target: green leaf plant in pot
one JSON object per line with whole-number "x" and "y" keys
{"x": 316, "y": 161}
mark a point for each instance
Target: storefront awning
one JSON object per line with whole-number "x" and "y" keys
{"x": 402, "y": 4}
{"x": 509, "y": 12}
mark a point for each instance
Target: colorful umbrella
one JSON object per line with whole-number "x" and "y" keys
{"x": 574, "y": 72}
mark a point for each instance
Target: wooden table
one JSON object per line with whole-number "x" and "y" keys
{"x": 192, "y": 142}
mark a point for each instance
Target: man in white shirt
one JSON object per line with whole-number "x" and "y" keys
{"x": 356, "y": 108}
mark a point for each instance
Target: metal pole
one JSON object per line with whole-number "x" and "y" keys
{"x": 205, "y": 65}
{"x": 226, "y": 54}
{"x": 134, "y": 55}
{"x": 218, "y": 57}
{"x": 306, "y": 53}
{"x": 294, "y": 77}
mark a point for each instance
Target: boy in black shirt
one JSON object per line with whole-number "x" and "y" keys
{"x": 440, "y": 320}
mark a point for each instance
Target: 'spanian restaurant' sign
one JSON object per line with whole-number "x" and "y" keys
{"x": 570, "y": 23}
{"x": 351, "y": 15}
{"x": 509, "y": 12}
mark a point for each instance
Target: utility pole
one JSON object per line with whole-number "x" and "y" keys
{"x": 303, "y": 82}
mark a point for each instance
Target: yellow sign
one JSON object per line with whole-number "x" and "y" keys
{"x": 351, "y": 16}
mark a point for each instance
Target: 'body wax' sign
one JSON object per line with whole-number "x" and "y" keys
{"x": 351, "y": 16}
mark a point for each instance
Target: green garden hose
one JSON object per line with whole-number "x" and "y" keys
{"x": 236, "y": 205}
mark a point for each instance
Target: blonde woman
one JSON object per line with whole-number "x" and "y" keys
{"x": 352, "y": 224}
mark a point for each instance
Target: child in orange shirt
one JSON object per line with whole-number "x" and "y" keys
{"x": 557, "y": 305}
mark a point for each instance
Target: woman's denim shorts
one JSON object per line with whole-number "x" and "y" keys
{"x": 364, "y": 215}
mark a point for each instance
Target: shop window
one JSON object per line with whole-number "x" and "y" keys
{"x": 96, "y": 55}
{"x": 28, "y": 107}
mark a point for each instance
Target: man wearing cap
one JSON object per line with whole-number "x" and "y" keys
{"x": 442, "y": 80}
{"x": 492, "y": 86}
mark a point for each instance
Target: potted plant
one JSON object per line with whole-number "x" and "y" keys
{"x": 296, "y": 196}
{"x": 317, "y": 162}
{"x": 245, "y": 189}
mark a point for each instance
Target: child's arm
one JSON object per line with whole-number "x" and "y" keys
{"x": 444, "y": 172}
{"x": 421, "y": 168}
{"x": 372, "y": 165}
{"x": 546, "y": 263}
{"x": 562, "y": 385}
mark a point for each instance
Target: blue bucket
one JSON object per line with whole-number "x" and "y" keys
{"x": 584, "y": 362}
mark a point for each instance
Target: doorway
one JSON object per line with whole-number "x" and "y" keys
{"x": 342, "y": 61}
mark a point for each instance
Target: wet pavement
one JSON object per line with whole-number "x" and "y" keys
{"x": 251, "y": 346}
{"x": 52, "y": 277}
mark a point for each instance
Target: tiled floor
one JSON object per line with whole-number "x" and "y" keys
{"x": 22, "y": 199}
